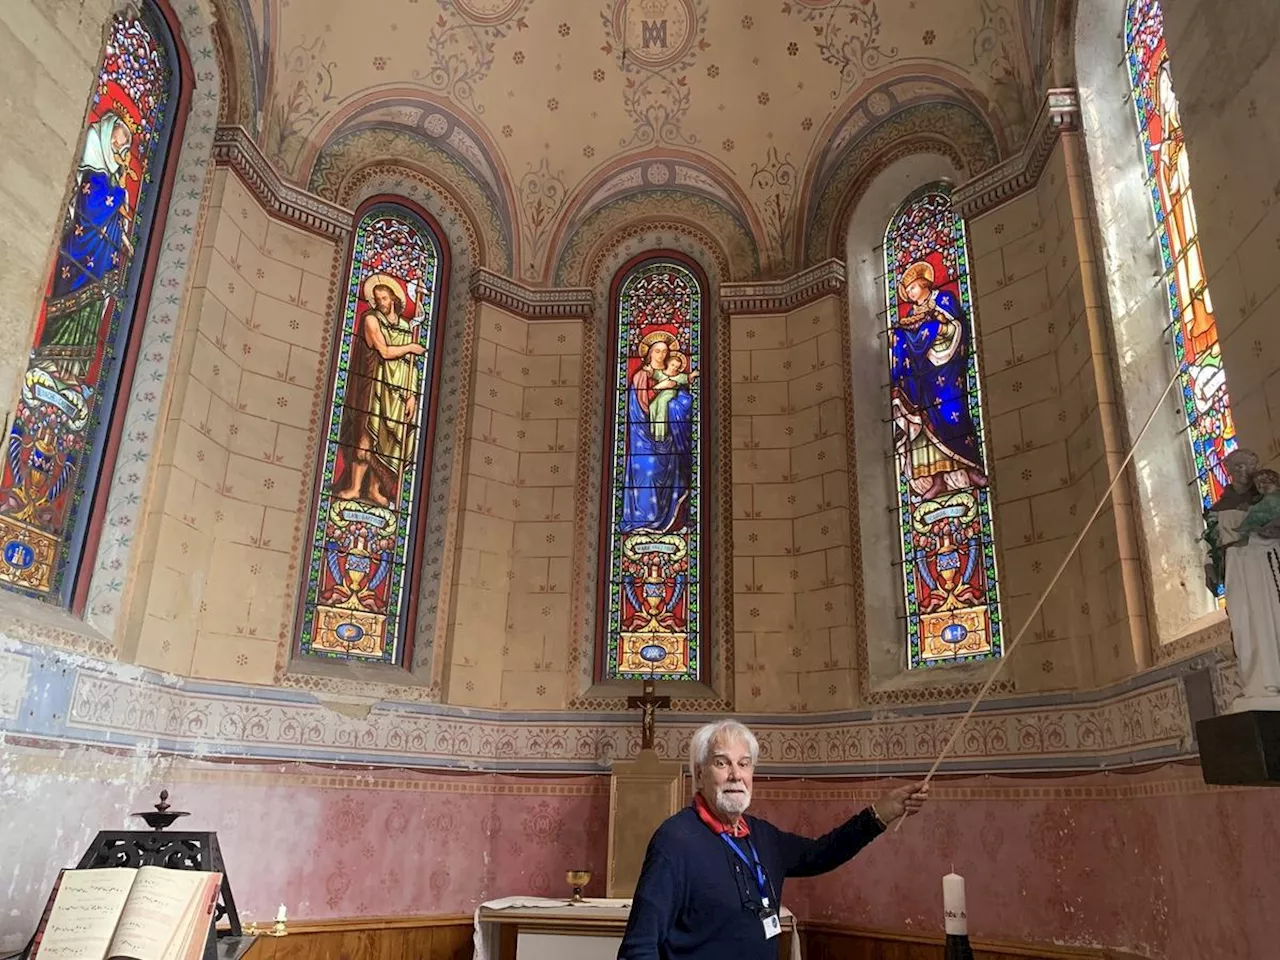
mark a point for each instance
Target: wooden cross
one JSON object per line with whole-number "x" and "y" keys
{"x": 648, "y": 704}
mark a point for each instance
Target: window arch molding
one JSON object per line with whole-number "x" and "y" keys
{"x": 714, "y": 690}
{"x": 1168, "y": 513}
{"x": 941, "y": 456}
{"x": 69, "y": 422}
{"x": 882, "y": 648}
{"x": 363, "y": 555}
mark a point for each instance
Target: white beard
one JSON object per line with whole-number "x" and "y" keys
{"x": 734, "y": 804}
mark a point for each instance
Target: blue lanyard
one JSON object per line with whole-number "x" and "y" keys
{"x": 762, "y": 881}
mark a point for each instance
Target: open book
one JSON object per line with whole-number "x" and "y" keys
{"x": 151, "y": 913}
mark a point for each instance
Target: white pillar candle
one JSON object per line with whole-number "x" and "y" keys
{"x": 957, "y": 920}
{"x": 281, "y": 914}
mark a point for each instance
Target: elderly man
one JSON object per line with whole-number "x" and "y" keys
{"x": 711, "y": 885}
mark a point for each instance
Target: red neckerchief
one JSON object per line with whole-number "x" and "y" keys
{"x": 741, "y": 829}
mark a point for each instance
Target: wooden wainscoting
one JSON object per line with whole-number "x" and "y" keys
{"x": 449, "y": 938}
{"x": 370, "y": 938}
{"x": 826, "y": 941}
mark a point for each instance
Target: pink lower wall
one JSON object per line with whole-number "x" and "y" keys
{"x": 1155, "y": 862}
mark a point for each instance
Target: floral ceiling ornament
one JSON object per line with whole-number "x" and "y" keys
{"x": 542, "y": 197}
{"x": 848, "y": 36}
{"x": 995, "y": 46}
{"x": 460, "y": 47}
{"x": 773, "y": 186}
{"x": 654, "y": 42}
{"x": 297, "y": 103}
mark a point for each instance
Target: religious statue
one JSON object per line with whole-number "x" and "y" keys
{"x": 1243, "y": 533}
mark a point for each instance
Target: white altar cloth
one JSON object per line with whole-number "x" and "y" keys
{"x": 485, "y": 938}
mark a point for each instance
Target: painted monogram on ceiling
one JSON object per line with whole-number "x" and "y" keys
{"x": 653, "y": 41}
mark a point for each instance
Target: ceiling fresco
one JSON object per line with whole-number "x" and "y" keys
{"x": 557, "y": 108}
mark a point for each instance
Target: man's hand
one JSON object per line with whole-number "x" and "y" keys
{"x": 902, "y": 801}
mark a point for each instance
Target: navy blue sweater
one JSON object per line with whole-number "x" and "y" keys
{"x": 695, "y": 900}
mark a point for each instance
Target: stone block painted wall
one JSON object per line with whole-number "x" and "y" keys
{"x": 237, "y": 465}
{"x": 52, "y": 52}
{"x": 510, "y": 622}
{"x": 792, "y": 579}
{"x": 1043, "y": 363}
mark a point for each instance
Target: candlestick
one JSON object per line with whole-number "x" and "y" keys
{"x": 957, "y": 919}
{"x": 282, "y": 914}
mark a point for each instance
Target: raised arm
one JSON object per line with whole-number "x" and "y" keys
{"x": 653, "y": 908}
{"x": 802, "y": 857}
{"x": 805, "y": 857}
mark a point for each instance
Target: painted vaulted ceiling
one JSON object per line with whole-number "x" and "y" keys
{"x": 552, "y": 119}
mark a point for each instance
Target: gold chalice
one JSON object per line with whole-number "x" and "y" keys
{"x": 577, "y": 879}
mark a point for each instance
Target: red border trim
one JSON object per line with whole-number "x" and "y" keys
{"x": 141, "y": 304}
{"x": 606, "y": 487}
{"x": 428, "y": 447}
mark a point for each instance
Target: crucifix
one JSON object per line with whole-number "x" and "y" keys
{"x": 648, "y": 704}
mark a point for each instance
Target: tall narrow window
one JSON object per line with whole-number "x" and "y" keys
{"x": 367, "y": 515}
{"x": 54, "y": 464}
{"x": 1193, "y": 330}
{"x": 652, "y": 531}
{"x": 944, "y": 507}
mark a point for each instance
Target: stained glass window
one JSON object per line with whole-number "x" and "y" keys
{"x": 944, "y": 504}
{"x": 653, "y": 513}
{"x": 1193, "y": 330}
{"x": 367, "y": 517}
{"x": 54, "y": 462}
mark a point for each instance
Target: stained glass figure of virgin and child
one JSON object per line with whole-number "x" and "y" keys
{"x": 653, "y": 538}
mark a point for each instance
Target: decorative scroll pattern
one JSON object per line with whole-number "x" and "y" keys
{"x": 1193, "y": 331}
{"x": 654, "y": 525}
{"x": 360, "y": 573}
{"x": 53, "y": 459}
{"x": 1114, "y": 727}
{"x": 944, "y": 505}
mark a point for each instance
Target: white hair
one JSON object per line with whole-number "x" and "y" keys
{"x": 704, "y": 738}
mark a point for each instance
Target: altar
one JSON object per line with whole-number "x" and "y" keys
{"x": 535, "y": 928}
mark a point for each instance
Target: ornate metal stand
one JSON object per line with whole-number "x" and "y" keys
{"x": 176, "y": 850}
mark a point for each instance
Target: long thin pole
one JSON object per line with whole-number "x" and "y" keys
{"x": 986, "y": 687}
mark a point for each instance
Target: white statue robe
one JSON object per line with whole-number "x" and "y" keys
{"x": 1253, "y": 603}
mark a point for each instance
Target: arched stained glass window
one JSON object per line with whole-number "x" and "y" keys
{"x": 54, "y": 462}
{"x": 652, "y": 531}
{"x": 359, "y": 591}
{"x": 1193, "y": 330}
{"x": 944, "y": 506}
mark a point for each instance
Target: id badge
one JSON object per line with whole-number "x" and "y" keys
{"x": 772, "y": 925}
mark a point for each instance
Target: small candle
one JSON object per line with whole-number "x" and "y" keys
{"x": 957, "y": 920}
{"x": 281, "y": 914}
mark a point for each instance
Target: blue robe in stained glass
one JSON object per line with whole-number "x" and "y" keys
{"x": 657, "y": 471}
{"x": 91, "y": 246}
{"x": 929, "y": 370}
